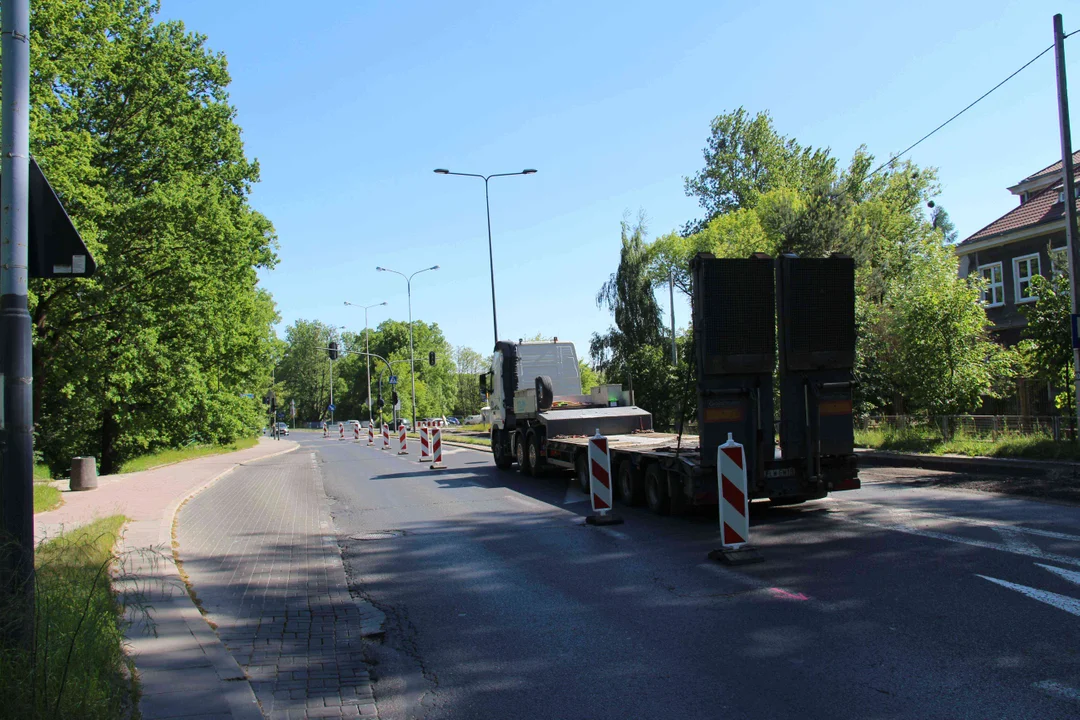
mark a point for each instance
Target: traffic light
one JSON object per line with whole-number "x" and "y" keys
{"x": 380, "y": 402}
{"x": 333, "y": 351}
{"x": 431, "y": 358}
{"x": 393, "y": 398}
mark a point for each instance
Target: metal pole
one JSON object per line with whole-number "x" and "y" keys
{"x": 1070, "y": 189}
{"x": 331, "y": 390}
{"x": 491, "y": 261}
{"x": 412, "y": 358}
{"x": 16, "y": 374}
{"x": 367, "y": 364}
{"x": 671, "y": 303}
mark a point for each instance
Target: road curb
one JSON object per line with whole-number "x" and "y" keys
{"x": 949, "y": 463}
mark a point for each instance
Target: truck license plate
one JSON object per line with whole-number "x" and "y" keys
{"x": 780, "y": 472}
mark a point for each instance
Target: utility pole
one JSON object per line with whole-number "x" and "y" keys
{"x": 1070, "y": 194}
{"x": 671, "y": 305}
{"x": 16, "y": 375}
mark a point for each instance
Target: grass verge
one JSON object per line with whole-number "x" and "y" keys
{"x": 168, "y": 457}
{"x": 46, "y": 497}
{"x": 924, "y": 440}
{"x": 41, "y": 472}
{"x": 78, "y": 668}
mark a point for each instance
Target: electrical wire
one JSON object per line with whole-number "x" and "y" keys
{"x": 976, "y": 102}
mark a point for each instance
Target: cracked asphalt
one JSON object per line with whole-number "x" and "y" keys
{"x": 895, "y": 601}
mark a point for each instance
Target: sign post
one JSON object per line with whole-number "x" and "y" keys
{"x": 600, "y": 482}
{"x": 734, "y": 507}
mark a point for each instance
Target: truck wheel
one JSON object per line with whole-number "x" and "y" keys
{"x": 544, "y": 392}
{"x": 656, "y": 490}
{"x": 536, "y": 460}
{"x": 503, "y": 459}
{"x": 522, "y": 455}
{"x": 631, "y": 484}
{"x": 581, "y": 468}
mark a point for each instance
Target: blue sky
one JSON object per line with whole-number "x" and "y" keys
{"x": 350, "y": 105}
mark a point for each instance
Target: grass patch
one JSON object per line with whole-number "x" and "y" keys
{"x": 472, "y": 428}
{"x": 925, "y": 440}
{"x": 41, "y": 472}
{"x": 168, "y": 457}
{"x": 46, "y": 497}
{"x": 78, "y": 668}
{"x": 467, "y": 440}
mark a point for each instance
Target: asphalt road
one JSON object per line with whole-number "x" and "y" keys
{"x": 888, "y": 602}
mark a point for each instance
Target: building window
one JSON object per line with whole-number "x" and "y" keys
{"x": 994, "y": 290}
{"x": 1025, "y": 268}
{"x": 1059, "y": 260}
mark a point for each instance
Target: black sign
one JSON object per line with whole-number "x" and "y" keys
{"x": 56, "y": 250}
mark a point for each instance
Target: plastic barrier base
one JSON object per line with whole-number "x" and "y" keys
{"x": 737, "y": 556}
{"x": 605, "y": 519}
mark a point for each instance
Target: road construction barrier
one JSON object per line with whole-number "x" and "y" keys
{"x": 425, "y": 443}
{"x": 436, "y": 449}
{"x": 370, "y": 433}
{"x": 402, "y": 446}
{"x": 356, "y": 432}
{"x": 600, "y": 474}
{"x": 325, "y": 430}
{"x": 734, "y": 501}
{"x": 341, "y": 430}
{"x": 385, "y": 436}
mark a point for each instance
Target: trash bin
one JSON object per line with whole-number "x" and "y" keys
{"x": 83, "y": 473}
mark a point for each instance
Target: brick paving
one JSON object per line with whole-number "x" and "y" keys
{"x": 260, "y": 553}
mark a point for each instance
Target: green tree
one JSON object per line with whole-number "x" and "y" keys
{"x": 131, "y": 120}
{"x": 468, "y": 364}
{"x": 304, "y": 370}
{"x": 1049, "y": 349}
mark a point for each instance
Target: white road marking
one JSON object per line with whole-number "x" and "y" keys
{"x": 574, "y": 495}
{"x": 1061, "y": 602}
{"x": 927, "y": 515}
{"x": 1015, "y": 541}
{"x": 613, "y": 533}
{"x": 1070, "y": 575}
{"x": 1055, "y": 688}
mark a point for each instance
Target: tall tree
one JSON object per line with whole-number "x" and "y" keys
{"x": 131, "y": 120}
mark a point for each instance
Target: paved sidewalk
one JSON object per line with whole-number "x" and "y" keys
{"x": 261, "y": 554}
{"x": 184, "y": 670}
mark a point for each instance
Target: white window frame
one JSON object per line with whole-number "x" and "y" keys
{"x": 1016, "y": 276}
{"x": 1063, "y": 253}
{"x": 990, "y": 286}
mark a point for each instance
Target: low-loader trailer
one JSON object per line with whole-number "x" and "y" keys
{"x": 743, "y": 310}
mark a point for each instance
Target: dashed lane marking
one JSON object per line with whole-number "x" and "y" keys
{"x": 1061, "y": 602}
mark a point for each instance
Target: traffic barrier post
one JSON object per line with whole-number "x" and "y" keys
{"x": 341, "y": 430}
{"x": 600, "y": 482}
{"x": 436, "y": 450}
{"x": 370, "y": 433}
{"x": 425, "y": 443}
{"x": 356, "y": 432}
{"x": 734, "y": 506}
{"x": 402, "y": 447}
{"x": 385, "y": 436}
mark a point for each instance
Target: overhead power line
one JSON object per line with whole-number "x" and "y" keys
{"x": 973, "y": 104}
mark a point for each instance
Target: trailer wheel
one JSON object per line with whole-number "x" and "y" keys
{"x": 631, "y": 483}
{"x": 656, "y": 490}
{"x": 536, "y": 460}
{"x": 522, "y": 455}
{"x": 581, "y": 469}
{"x": 503, "y": 459}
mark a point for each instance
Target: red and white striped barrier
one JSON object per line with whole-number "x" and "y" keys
{"x": 599, "y": 457}
{"x": 356, "y": 432}
{"x": 734, "y": 501}
{"x": 325, "y": 430}
{"x": 341, "y": 429}
{"x": 600, "y": 474}
{"x": 731, "y": 474}
{"x": 385, "y": 436}
{"x": 425, "y": 443}
{"x": 403, "y": 448}
{"x": 370, "y": 433}
{"x": 436, "y": 450}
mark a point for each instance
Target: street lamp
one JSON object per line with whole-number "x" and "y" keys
{"x": 487, "y": 202}
{"x": 367, "y": 358}
{"x": 412, "y": 357}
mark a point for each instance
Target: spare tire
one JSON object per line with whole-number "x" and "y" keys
{"x": 544, "y": 393}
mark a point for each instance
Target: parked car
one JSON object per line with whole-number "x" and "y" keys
{"x": 283, "y": 429}
{"x": 452, "y": 421}
{"x": 403, "y": 423}
{"x": 474, "y": 419}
